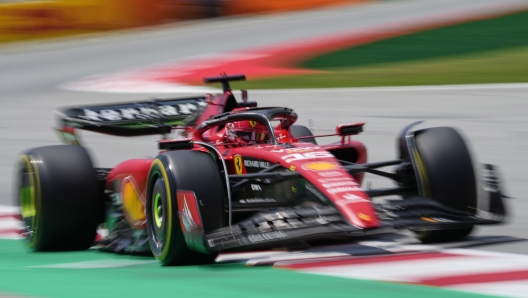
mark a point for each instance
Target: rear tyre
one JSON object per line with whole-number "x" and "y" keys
{"x": 298, "y": 131}
{"x": 182, "y": 170}
{"x": 446, "y": 172}
{"x": 59, "y": 198}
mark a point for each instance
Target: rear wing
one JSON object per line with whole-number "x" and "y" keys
{"x": 132, "y": 119}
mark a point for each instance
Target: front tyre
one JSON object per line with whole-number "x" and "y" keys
{"x": 299, "y": 131}
{"x": 447, "y": 176}
{"x": 181, "y": 170}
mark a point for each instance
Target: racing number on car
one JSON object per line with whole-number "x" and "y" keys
{"x": 308, "y": 155}
{"x": 238, "y": 164}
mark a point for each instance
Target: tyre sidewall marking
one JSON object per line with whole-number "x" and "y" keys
{"x": 422, "y": 174}
{"x": 158, "y": 164}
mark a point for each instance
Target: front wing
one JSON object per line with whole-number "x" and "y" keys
{"x": 279, "y": 227}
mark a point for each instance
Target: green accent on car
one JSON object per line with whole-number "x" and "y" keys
{"x": 158, "y": 218}
{"x": 27, "y": 201}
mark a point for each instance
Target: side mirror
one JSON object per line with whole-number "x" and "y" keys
{"x": 350, "y": 129}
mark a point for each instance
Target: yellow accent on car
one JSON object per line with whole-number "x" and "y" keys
{"x": 320, "y": 166}
{"x": 163, "y": 171}
{"x": 132, "y": 204}
{"x": 364, "y": 216}
{"x": 422, "y": 174}
{"x": 238, "y": 164}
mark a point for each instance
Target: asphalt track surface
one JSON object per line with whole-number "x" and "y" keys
{"x": 492, "y": 119}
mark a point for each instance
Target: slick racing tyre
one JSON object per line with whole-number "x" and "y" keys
{"x": 447, "y": 175}
{"x": 298, "y": 131}
{"x": 187, "y": 170}
{"x": 59, "y": 198}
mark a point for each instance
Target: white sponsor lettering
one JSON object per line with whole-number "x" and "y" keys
{"x": 213, "y": 121}
{"x": 307, "y": 155}
{"x": 91, "y": 115}
{"x": 350, "y": 198}
{"x": 147, "y": 112}
{"x": 188, "y": 222}
{"x": 258, "y": 200}
{"x": 294, "y": 150}
{"x": 256, "y": 187}
{"x": 266, "y": 236}
{"x": 186, "y": 108}
{"x": 256, "y": 164}
{"x": 168, "y": 110}
{"x": 129, "y": 113}
{"x": 326, "y": 180}
{"x": 342, "y": 183}
{"x": 342, "y": 189}
{"x": 140, "y": 112}
{"x": 331, "y": 174}
{"x": 110, "y": 115}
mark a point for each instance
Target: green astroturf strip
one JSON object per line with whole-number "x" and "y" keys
{"x": 224, "y": 280}
{"x": 504, "y": 66}
{"x": 473, "y": 37}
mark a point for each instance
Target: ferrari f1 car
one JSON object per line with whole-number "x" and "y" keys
{"x": 240, "y": 177}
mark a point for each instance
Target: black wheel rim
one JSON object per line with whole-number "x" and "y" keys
{"x": 157, "y": 222}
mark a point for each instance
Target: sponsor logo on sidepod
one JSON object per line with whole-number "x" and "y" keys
{"x": 331, "y": 174}
{"x": 320, "y": 166}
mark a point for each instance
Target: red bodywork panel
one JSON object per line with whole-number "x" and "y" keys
{"x": 316, "y": 163}
{"x": 321, "y": 169}
{"x": 131, "y": 174}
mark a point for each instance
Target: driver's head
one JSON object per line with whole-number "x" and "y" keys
{"x": 245, "y": 132}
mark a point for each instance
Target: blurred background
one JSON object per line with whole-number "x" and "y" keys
{"x": 78, "y": 52}
{"x": 460, "y": 63}
{"x": 26, "y": 19}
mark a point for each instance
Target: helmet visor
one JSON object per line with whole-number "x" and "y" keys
{"x": 251, "y": 136}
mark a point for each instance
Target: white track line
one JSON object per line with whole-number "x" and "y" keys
{"x": 8, "y": 209}
{"x": 8, "y": 223}
{"x": 414, "y": 270}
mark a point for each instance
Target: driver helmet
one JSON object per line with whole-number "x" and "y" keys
{"x": 245, "y": 132}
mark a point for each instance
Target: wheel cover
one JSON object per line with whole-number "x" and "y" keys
{"x": 29, "y": 198}
{"x": 158, "y": 210}
{"x": 159, "y": 228}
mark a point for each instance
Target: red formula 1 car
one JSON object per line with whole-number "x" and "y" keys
{"x": 242, "y": 177}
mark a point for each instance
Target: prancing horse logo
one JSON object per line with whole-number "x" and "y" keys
{"x": 238, "y": 164}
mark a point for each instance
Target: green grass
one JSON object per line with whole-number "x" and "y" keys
{"x": 504, "y": 66}
{"x": 28, "y": 274}
{"x": 473, "y": 37}
{"x": 483, "y": 51}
